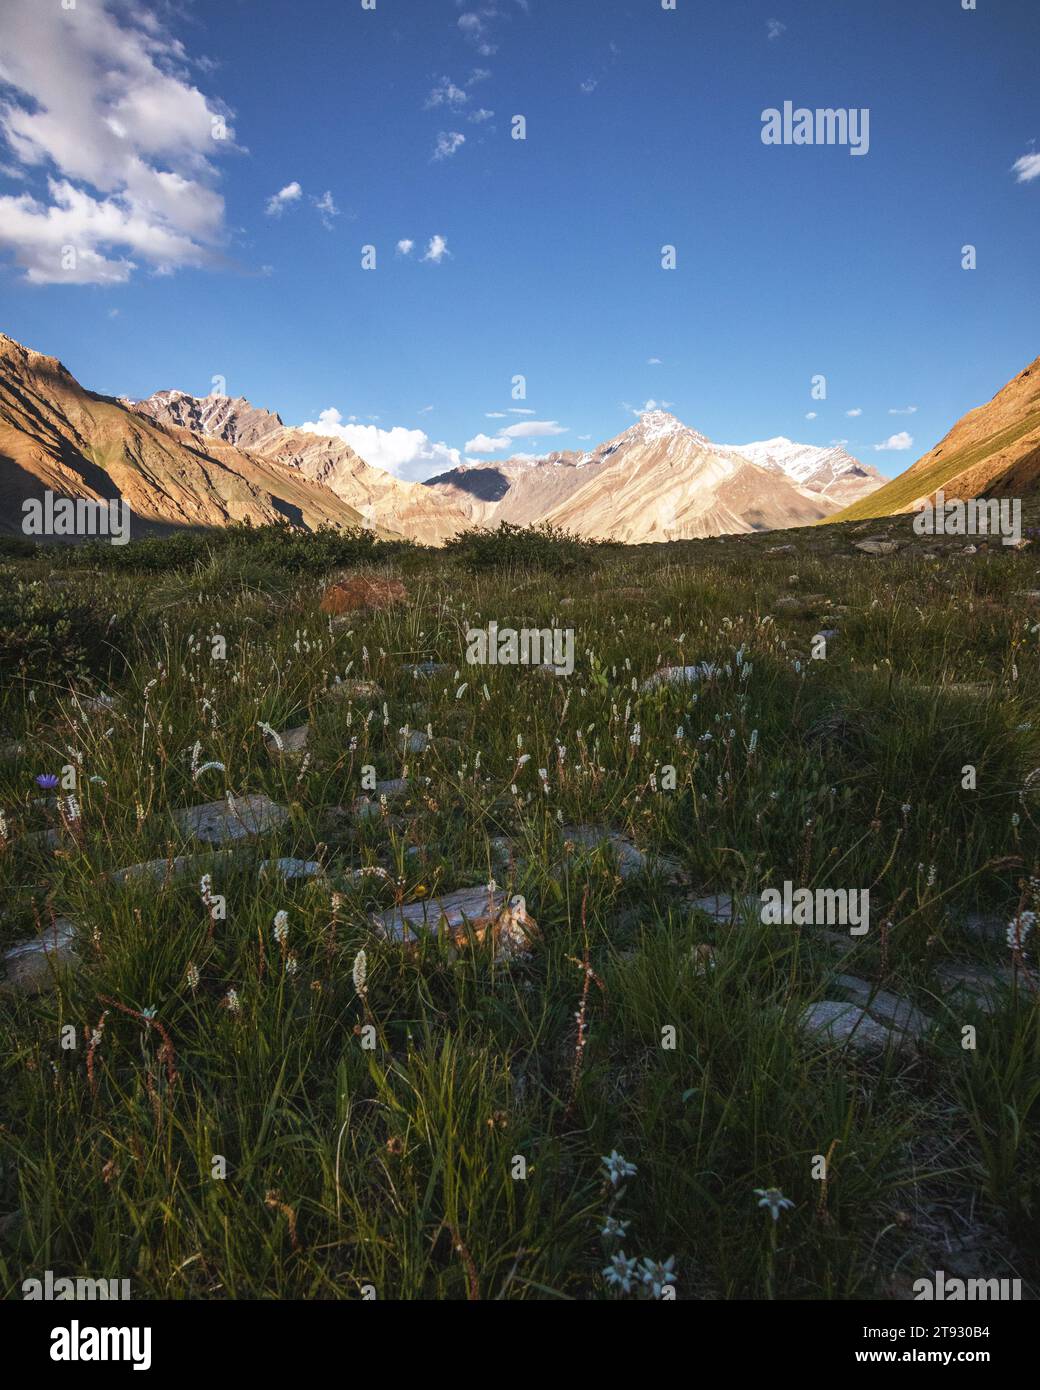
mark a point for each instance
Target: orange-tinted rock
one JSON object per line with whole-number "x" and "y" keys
{"x": 358, "y": 593}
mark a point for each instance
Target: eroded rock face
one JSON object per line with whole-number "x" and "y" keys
{"x": 469, "y": 914}
{"x": 34, "y": 966}
{"x": 360, "y": 593}
{"x": 217, "y": 822}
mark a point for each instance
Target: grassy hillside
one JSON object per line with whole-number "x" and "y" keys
{"x": 214, "y": 1125}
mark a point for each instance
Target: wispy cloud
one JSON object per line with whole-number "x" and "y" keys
{"x": 774, "y": 28}
{"x": 446, "y": 93}
{"x": 326, "y": 206}
{"x": 904, "y": 410}
{"x": 405, "y": 247}
{"x": 1027, "y": 168}
{"x": 855, "y": 413}
{"x": 448, "y": 141}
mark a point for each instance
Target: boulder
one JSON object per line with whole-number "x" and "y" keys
{"x": 34, "y": 965}
{"x": 217, "y": 822}
{"x": 465, "y": 915}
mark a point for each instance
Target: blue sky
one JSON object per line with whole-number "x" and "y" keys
{"x": 643, "y": 129}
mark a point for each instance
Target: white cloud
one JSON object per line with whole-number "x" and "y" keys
{"x": 445, "y": 93}
{"x": 326, "y": 206}
{"x": 448, "y": 141}
{"x": 533, "y": 429}
{"x": 101, "y": 99}
{"x": 1027, "y": 168}
{"x": 854, "y": 414}
{"x": 405, "y": 247}
{"x": 486, "y": 444}
{"x": 436, "y": 250}
{"x": 774, "y": 28}
{"x": 475, "y": 29}
{"x": 906, "y": 410}
{"x": 284, "y": 198}
{"x": 589, "y": 85}
{"x": 409, "y": 454}
{"x": 479, "y": 117}
{"x": 811, "y": 415}
{"x": 520, "y": 410}
{"x": 649, "y": 406}
{"x": 653, "y": 362}
{"x": 478, "y": 75}
{"x": 899, "y": 441}
{"x": 495, "y": 415}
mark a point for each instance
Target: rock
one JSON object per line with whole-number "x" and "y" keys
{"x": 428, "y": 668}
{"x": 890, "y": 1009}
{"x": 987, "y": 926}
{"x": 469, "y": 913}
{"x": 11, "y": 749}
{"x": 721, "y": 908}
{"x": 359, "y": 593}
{"x": 849, "y": 1026}
{"x": 834, "y": 941}
{"x": 984, "y": 986}
{"x": 779, "y": 549}
{"x": 32, "y": 966}
{"x": 631, "y": 862}
{"x": 877, "y": 547}
{"x": 415, "y": 741}
{"x": 50, "y": 839}
{"x": 290, "y": 744}
{"x": 291, "y": 869}
{"x": 351, "y": 690}
{"x": 219, "y": 821}
{"x": 681, "y": 675}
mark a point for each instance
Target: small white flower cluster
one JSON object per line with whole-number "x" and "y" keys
{"x": 1019, "y": 930}
{"x": 624, "y": 1273}
{"x": 281, "y": 927}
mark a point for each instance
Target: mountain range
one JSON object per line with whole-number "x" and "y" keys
{"x": 183, "y": 460}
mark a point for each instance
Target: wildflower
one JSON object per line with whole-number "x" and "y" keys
{"x": 614, "y": 1229}
{"x": 281, "y": 927}
{"x": 1019, "y": 930}
{"x": 360, "y": 973}
{"x": 192, "y": 974}
{"x": 47, "y": 780}
{"x": 774, "y": 1199}
{"x": 208, "y": 767}
{"x": 617, "y": 1168}
{"x": 232, "y": 1001}
{"x": 906, "y": 808}
{"x": 657, "y": 1277}
{"x": 621, "y": 1272}
{"x": 292, "y": 965}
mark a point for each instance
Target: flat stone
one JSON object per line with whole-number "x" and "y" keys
{"x": 891, "y": 1009}
{"x": 681, "y": 675}
{"x": 849, "y": 1026}
{"x": 877, "y": 547}
{"x": 32, "y": 966}
{"x": 721, "y": 908}
{"x": 428, "y": 668}
{"x": 987, "y": 926}
{"x": 464, "y": 914}
{"x": 351, "y": 690}
{"x": 631, "y": 861}
{"x": 985, "y": 986}
{"x": 290, "y": 745}
{"x": 834, "y": 940}
{"x": 291, "y": 869}
{"x": 219, "y": 821}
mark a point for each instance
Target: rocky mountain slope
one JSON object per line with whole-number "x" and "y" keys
{"x": 383, "y": 501}
{"x": 658, "y": 480}
{"x": 830, "y": 470}
{"x": 55, "y": 435}
{"x": 993, "y": 451}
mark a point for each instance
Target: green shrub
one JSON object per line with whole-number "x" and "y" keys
{"x": 543, "y": 547}
{"x": 46, "y": 634}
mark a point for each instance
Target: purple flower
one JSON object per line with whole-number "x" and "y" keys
{"x": 47, "y": 781}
